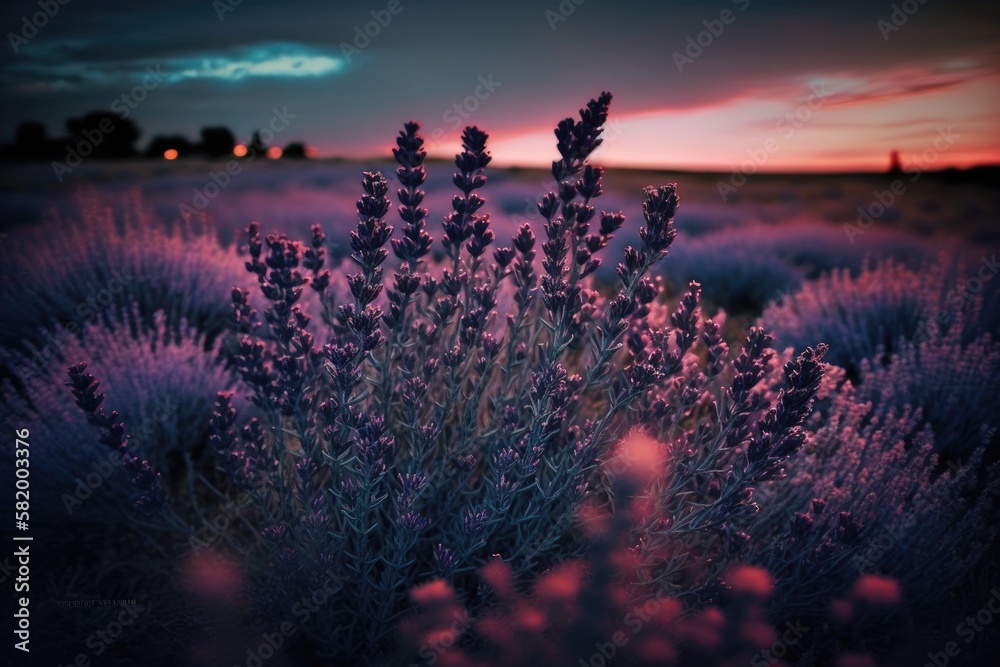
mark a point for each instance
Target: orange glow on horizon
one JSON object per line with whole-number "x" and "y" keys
{"x": 936, "y": 116}
{"x": 273, "y": 153}
{"x": 239, "y": 150}
{"x": 170, "y": 154}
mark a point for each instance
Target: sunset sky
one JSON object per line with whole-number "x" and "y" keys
{"x": 799, "y": 85}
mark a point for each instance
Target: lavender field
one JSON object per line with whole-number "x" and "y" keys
{"x": 415, "y": 413}
{"x": 560, "y": 333}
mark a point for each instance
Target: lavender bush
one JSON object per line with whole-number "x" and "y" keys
{"x": 917, "y": 339}
{"x": 72, "y": 273}
{"x": 744, "y": 268}
{"x": 161, "y": 380}
{"x": 589, "y": 612}
{"x": 942, "y": 377}
{"x": 865, "y": 316}
{"x": 417, "y": 442}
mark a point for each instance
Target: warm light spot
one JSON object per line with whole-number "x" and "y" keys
{"x": 495, "y": 627}
{"x": 239, "y": 150}
{"x": 658, "y": 650}
{"x": 433, "y": 592}
{"x": 750, "y": 581}
{"x": 638, "y": 458}
{"x": 877, "y": 591}
{"x": 561, "y": 585}
{"x": 702, "y": 630}
{"x": 170, "y": 154}
{"x": 842, "y": 612}
{"x": 212, "y": 575}
{"x": 529, "y": 618}
{"x": 311, "y": 151}
{"x": 273, "y": 153}
{"x": 496, "y": 573}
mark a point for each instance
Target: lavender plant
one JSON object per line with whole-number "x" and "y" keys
{"x": 421, "y": 437}
{"x": 69, "y": 273}
{"x": 865, "y": 316}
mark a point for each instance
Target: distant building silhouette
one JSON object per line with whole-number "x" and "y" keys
{"x": 894, "y": 165}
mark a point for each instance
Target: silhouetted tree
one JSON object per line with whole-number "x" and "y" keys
{"x": 217, "y": 141}
{"x": 295, "y": 150}
{"x": 31, "y": 142}
{"x": 109, "y": 135}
